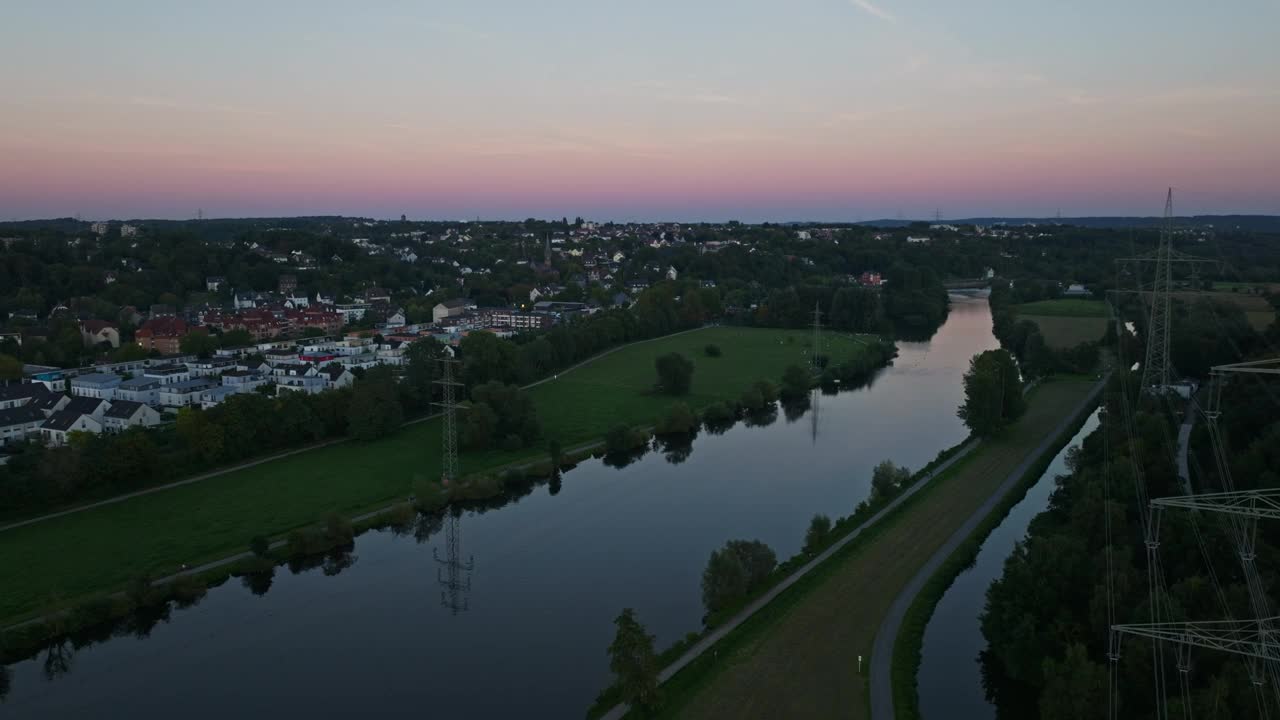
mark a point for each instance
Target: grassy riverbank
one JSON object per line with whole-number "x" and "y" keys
{"x": 798, "y": 656}
{"x": 66, "y": 559}
{"x": 909, "y": 643}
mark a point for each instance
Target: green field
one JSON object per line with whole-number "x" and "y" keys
{"x": 797, "y": 658}
{"x": 102, "y": 549}
{"x": 1064, "y": 307}
{"x": 1062, "y": 332}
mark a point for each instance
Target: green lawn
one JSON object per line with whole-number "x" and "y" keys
{"x": 98, "y": 550}
{"x": 1064, "y": 307}
{"x": 1062, "y": 332}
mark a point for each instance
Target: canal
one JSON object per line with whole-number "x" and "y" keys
{"x": 950, "y": 684}
{"x": 550, "y": 572}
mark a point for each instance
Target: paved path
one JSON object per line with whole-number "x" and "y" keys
{"x": 881, "y": 686}
{"x": 1184, "y": 444}
{"x": 278, "y": 456}
{"x": 711, "y": 639}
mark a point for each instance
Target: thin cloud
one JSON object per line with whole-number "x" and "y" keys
{"x": 867, "y": 7}
{"x": 169, "y": 104}
{"x": 455, "y": 30}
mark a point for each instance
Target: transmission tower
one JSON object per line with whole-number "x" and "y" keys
{"x": 453, "y": 574}
{"x": 1257, "y": 638}
{"x": 1155, "y": 368}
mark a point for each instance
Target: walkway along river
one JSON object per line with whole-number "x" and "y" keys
{"x": 369, "y": 633}
{"x": 950, "y": 676}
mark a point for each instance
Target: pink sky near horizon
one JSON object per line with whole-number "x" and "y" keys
{"x": 885, "y": 109}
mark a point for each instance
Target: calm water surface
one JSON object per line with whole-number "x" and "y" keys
{"x": 950, "y": 680}
{"x": 550, "y": 574}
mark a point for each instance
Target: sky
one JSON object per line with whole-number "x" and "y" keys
{"x": 683, "y": 110}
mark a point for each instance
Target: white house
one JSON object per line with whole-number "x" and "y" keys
{"x": 55, "y": 430}
{"x": 185, "y": 393}
{"x": 215, "y": 395}
{"x": 671, "y": 272}
{"x": 915, "y": 240}
{"x": 336, "y": 377}
{"x": 310, "y": 384}
{"x": 124, "y": 414}
{"x": 95, "y": 385}
{"x": 18, "y": 423}
{"x": 143, "y": 390}
{"x": 397, "y": 319}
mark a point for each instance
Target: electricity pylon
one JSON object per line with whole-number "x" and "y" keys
{"x": 1155, "y": 368}
{"x": 453, "y": 574}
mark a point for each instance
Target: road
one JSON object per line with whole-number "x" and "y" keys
{"x": 716, "y": 635}
{"x": 307, "y": 448}
{"x": 881, "y": 686}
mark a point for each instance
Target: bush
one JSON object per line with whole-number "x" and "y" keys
{"x": 675, "y": 374}
{"x": 751, "y": 400}
{"x": 718, "y": 413}
{"x": 512, "y": 442}
{"x": 678, "y": 420}
{"x": 768, "y": 391}
{"x": 429, "y": 496}
{"x": 187, "y": 589}
{"x": 623, "y": 439}
{"x": 818, "y": 534}
{"x": 260, "y": 545}
{"x": 712, "y": 351}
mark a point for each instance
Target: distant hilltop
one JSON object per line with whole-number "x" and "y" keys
{"x": 1256, "y": 223}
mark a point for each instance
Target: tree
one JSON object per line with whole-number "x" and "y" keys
{"x": 421, "y": 360}
{"x": 739, "y": 568}
{"x": 237, "y": 338}
{"x": 486, "y": 357}
{"x": 887, "y": 479}
{"x": 633, "y": 661}
{"x": 819, "y": 530}
{"x": 992, "y": 393}
{"x": 675, "y": 373}
{"x": 375, "y": 409}
{"x": 796, "y": 383}
{"x": 10, "y": 368}
{"x": 200, "y": 344}
{"x": 1075, "y": 687}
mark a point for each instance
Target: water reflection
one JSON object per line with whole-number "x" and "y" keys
{"x": 629, "y": 531}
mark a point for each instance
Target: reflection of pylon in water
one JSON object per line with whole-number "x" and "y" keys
{"x": 454, "y": 575}
{"x": 813, "y": 416}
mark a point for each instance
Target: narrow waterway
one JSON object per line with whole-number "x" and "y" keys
{"x": 370, "y": 635}
{"x": 950, "y": 678}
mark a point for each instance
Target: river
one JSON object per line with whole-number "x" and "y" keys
{"x": 950, "y": 678}
{"x": 550, "y": 573}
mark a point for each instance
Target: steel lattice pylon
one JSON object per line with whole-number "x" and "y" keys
{"x": 454, "y": 575}
{"x": 1155, "y": 368}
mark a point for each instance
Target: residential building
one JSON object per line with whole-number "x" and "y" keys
{"x": 55, "y": 430}
{"x": 210, "y": 367}
{"x": 145, "y": 390}
{"x": 1076, "y": 290}
{"x": 124, "y": 414}
{"x": 351, "y": 312}
{"x": 336, "y": 377}
{"x": 162, "y": 334}
{"x": 450, "y": 308}
{"x": 287, "y": 284}
{"x": 100, "y": 228}
{"x": 214, "y": 283}
{"x": 95, "y": 332}
{"x": 19, "y": 423}
{"x": 127, "y": 230}
{"x": 185, "y": 393}
{"x": 169, "y": 374}
{"x": 95, "y": 385}
{"x": 215, "y": 395}
{"x": 19, "y": 394}
{"x": 310, "y": 384}
{"x": 243, "y": 381}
